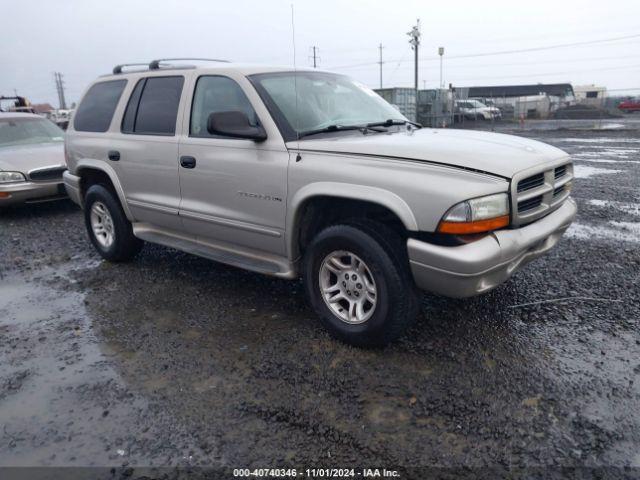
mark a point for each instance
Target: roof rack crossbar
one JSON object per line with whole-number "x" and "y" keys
{"x": 118, "y": 68}
{"x": 155, "y": 64}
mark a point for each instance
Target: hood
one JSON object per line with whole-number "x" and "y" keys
{"x": 494, "y": 153}
{"x": 22, "y": 158}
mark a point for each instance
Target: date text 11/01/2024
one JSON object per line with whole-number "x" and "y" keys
{"x": 316, "y": 473}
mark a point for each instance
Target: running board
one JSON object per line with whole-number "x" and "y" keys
{"x": 240, "y": 257}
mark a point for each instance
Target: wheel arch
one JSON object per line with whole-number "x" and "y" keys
{"x": 92, "y": 171}
{"x": 336, "y": 191}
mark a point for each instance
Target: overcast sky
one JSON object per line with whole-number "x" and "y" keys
{"x": 86, "y": 38}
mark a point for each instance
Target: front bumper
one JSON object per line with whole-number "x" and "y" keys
{"x": 31, "y": 192}
{"x": 477, "y": 267}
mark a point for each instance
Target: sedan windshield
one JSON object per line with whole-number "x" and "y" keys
{"x": 25, "y": 131}
{"x": 324, "y": 101}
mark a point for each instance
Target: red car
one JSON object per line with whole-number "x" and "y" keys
{"x": 629, "y": 106}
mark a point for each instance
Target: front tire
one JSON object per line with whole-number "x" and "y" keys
{"x": 358, "y": 281}
{"x": 107, "y": 225}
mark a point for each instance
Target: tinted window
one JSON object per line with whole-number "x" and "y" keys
{"x": 217, "y": 94}
{"x": 96, "y": 110}
{"x": 129, "y": 119}
{"x": 158, "y": 106}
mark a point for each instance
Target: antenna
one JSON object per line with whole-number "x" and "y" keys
{"x": 295, "y": 80}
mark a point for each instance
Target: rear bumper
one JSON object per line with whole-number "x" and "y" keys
{"x": 72, "y": 185}
{"x": 477, "y": 267}
{"x": 30, "y": 192}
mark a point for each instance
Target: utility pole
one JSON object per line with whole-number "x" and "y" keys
{"x": 60, "y": 90}
{"x": 415, "y": 43}
{"x": 380, "y": 47}
{"x": 315, "y": 57}
{"x": 441, "y": 53}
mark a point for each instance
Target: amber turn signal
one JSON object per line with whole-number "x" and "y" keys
{"x": 5, "y": 194}
{"x": 479, "y": 226}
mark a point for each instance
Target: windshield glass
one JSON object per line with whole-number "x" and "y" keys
{"x": 324, "y": 100}
{"x": 25, "y": 131}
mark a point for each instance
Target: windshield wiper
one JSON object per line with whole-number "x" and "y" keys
{"x": 391, "y": 122}
{"x": 330, "y": 128}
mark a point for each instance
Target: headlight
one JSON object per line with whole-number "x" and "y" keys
{"x": 477, "y": 215}
{"x": 10, "y": 177}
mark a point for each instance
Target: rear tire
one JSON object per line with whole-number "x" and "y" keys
{"x": 368, "y": 259}
{"x": 107, "y": 225}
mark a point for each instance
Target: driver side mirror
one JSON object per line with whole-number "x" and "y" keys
{"x": 234, "y": 124}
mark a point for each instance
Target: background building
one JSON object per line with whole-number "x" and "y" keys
{"x": 590, "y": 95}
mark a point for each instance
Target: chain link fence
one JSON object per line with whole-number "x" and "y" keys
{"x": 442, "y": 108}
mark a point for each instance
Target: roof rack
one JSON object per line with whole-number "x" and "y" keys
{"x": 118, "y": 68}
{"x": 155, "y": 64}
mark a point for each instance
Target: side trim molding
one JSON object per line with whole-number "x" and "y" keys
{"x": 225, "y": 222}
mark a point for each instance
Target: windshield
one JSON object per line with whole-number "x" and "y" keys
{"x": 324, "y": 100}
{"x": 25, "y": 131}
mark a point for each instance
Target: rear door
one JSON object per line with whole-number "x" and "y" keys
{"x": 233, "y": 190}
{"x": 148, "y": 150}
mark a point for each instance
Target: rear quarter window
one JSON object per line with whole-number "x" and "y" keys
{"x": 96, "y": 109}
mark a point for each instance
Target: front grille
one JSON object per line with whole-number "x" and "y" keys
{"x": 531, "y": 182}
{"x": 530, "y": 204}
{"x": 560, "y": 172}
{"x": 47, "y": 174}
{"x": 538, "y": 194}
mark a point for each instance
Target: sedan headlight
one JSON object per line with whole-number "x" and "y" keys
{"x": 11, "y": 177}
{"x": 477, "y": 215}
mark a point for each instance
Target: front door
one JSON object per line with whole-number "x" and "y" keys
{"x": 233, "y": 190}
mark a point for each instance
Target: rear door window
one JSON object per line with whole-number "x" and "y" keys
{"x": 153, "y": 106}
{"x": 96, "y": 109}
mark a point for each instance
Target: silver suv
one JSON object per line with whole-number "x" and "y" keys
{"x": 309, "y": 173}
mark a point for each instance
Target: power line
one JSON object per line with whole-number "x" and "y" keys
{"x": 508, "y": 52}
{"x": 547, "y": 47}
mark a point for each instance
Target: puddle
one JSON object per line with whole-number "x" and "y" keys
{"x": 608, "y": 148}
{"x": 55, "y": 382}
{"x": 600, "y": 140}
{"x": 603, "y": 153}
{"x": 631, "y": 208}
{"x": 583, "y": 171}
{"x": 620, "y": 231}
{"x": 612, "y": 126}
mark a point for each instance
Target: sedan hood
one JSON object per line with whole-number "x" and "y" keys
{"x": 22, "y": 158}
{"x": 494, "y": 153}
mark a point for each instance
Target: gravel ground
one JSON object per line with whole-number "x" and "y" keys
{"x": 173, "y": 360}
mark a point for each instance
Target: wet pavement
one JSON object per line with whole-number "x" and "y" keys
{"x": 176, "y": 360}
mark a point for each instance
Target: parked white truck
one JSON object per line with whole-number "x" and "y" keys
{"x": 310, "y": 173}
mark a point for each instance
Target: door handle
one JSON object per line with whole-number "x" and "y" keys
{"x": 113, "y": 155}
{"x": 187, "y": 162}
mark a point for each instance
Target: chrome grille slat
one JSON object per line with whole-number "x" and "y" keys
{"x": 531, "y": 182}
{"x": 537, "y": 193}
